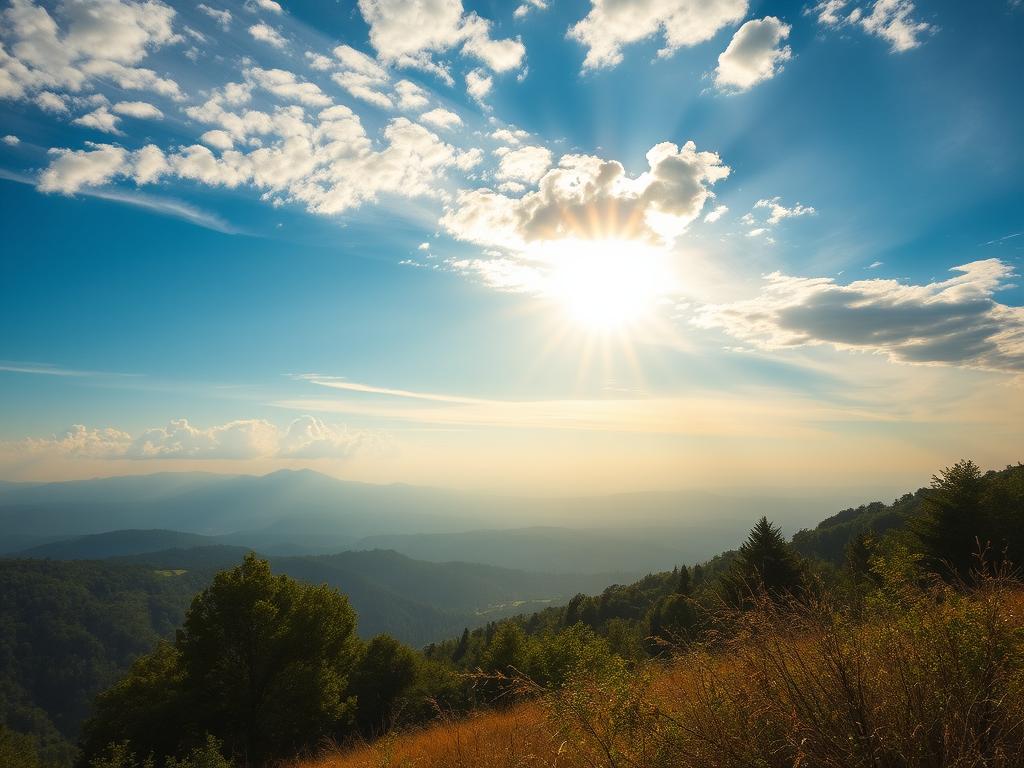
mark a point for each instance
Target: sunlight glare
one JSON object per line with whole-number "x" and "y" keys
{"x": 607, "y": 285}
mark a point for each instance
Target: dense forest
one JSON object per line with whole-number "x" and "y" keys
{"x": 264, "y": 667}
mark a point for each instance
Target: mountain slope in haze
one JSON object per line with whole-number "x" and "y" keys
{"x": 304, "y": 512}
{"x": 99, "y": 546}
{"x": 556, "y": 550}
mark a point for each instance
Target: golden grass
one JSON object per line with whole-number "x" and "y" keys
{"x": 518, "y": 737}
{"x": 937, "y": 681}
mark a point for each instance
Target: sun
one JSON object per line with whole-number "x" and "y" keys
{"x": 606, "y": 286}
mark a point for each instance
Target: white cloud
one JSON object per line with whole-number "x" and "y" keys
{"x": 69, "y": 171}
{"x": 319, "y": 62}
{"x": 100, "y": 119}
{"x": 953, "y": 322}
{"x": 363, "y": 87}
{"x": 408, "y": 32}
{"x": 714, "y": 215}
{"x": 528, "y": 163}
{"x": 265, "y": 5}
{"x": 757, "y": 232}
{"x": 328, "y": 164}
{"x": 523, "y": 9}
{"x": 410, "y": 95}
{"x": 11, "y": 140}
{"x": 510, "y": 135}
{"x": 357, "y": 61}
{"x": 139, "y": 109}
{"x": 85, "y": 39}
{"x": 611, "y": 24}
{"x": 827, "y": 12}
{"x": 267, "y": 34}
{"x": 285, "y": 84}
{"x": 305, "y": 437}
{"x": 441, "y": 118}
{"x": 754, "y": 54}
{"x": 777, "y": 212}
{"x": 51, "y": 102}
{"x": 222, "y": 17}
{"x": 655, "y": 206}
{"x": 478, "y": 84}
{"x": 875, "y": 264}
{"x": 217, "y": 139}
{"x": 891, "y": 20}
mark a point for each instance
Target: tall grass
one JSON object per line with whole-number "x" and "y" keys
{"x": 915, "y": 677}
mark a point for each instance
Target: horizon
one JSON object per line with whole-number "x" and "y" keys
{"x": 523, "y": 250}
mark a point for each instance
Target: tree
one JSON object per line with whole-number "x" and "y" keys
{"x": 261, "y": 665}
{"x": 684, "y": 585}
{"x": 952, "y": 520}
{"x": 386, "y": 671}
{"x": 17, "y": 750}
{"x": 266, "y": 661}
{"x": 765, "y": 561}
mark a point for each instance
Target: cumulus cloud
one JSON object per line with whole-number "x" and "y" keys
{"x": 51, "y": 102}
{"x": 410, "y": 95}
{"x": 587, "y": 197}
{"x": 221, "y": 16}
{"x": 777, "y": 211}
{"x": 326, "y": 163}
{"x": 288, "y": 86}
{"x": 267, "y": 34}
{"x": 441, "y": 118}
{"x": 951, "y": 322}
{"x": 754, "y": 54}
{"x": 527, "y": 164}
{"x": 714, "y": 215}
{"x": 100, "y": 119}
{"x": 305, "y": 437}
{"x": 409, "y": 32}
{"x": 891, "y": 20}
{"x": 83, "y": 40}
{"x": 478, "y": 84}
{"x": 11, "y": 140}
{"x": 524, "y": 8}
{"x": 139, "y": 109}
{"x": 611, "y": 24}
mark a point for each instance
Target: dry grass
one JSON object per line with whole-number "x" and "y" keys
{"x": 933, "y": 679}
{"x": 518, "y": 737}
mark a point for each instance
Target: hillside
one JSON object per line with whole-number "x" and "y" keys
{"x": 99, "y": 546}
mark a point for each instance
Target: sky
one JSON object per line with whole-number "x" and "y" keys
{"x": 557, "y": 247}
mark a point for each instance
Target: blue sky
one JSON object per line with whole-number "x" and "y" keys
{"x": 541, "y": 248}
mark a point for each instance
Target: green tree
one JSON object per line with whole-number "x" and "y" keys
{"x": 952, "y": 520}
{"x": 266, "y": 661}
{"x": 684, "y": 585}
{"x": 765, "y": 561}
{"x": 17, "y": 750}
{"x": 385, "y": 672}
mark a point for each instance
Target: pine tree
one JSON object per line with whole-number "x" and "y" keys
{"x": 765, "y": 562}
{"x": 952, "y": 520}
{"x": 684, "y": 585}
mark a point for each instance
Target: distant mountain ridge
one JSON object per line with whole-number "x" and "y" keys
{"x": 305, "y": 512}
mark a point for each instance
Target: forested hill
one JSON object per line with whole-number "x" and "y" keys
{"x": 829, "y": 539}
{"x": 70, "y": 629}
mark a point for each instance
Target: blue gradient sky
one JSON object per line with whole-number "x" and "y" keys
{"x": 182, "y": 324}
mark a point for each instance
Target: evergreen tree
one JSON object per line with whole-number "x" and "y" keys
{"x": 952, "y": 520}
{"x": 385, "y": 672}
{"x": 684, "y": 585}
{"x": 462, "y": 647}
{"x": 765, "y": 561}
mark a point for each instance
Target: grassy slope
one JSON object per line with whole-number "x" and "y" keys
{"x": 928, "y": 679}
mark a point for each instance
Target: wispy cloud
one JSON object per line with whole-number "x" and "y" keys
{"x": 49, "y": 369}
{"x": 165, "y": 206}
